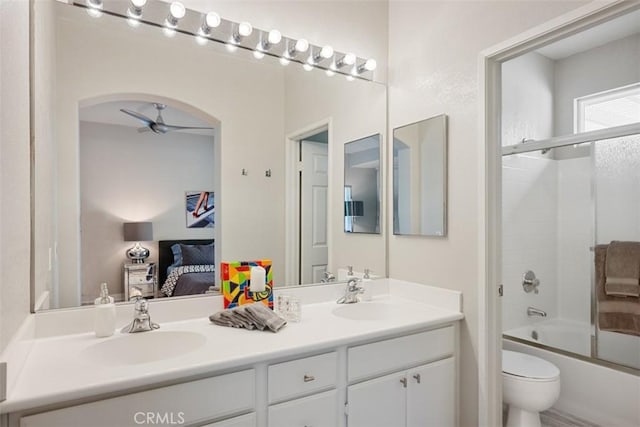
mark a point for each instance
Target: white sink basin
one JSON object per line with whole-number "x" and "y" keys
{"x": 367, "y": 311}
{"x": 143, "y": 347}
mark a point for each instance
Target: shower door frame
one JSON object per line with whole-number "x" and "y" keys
{"x": 490, "y": 187}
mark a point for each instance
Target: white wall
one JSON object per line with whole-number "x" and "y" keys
{"x": 529, "y": 236}
{"x": 591, "y": 72}
{"x": 527, "y": 98}
{"x": 575, "y": 237}
{"x": 129, "y": 176}
{"x": 433, "y": 59}
{"x": 14, "y": 167}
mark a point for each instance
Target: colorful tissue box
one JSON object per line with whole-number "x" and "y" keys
{"x": 236, "y": 278}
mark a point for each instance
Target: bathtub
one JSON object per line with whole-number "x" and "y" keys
{"x": 567, "y": 335}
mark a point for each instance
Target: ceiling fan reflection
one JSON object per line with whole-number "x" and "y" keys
{"x": 157, "y": 126}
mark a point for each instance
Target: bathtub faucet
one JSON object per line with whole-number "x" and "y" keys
{"x": 532, "y": 311}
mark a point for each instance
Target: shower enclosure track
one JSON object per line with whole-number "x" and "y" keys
{"x": 528, "y": 145}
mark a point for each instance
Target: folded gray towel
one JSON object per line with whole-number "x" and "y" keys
{"x": 622, "y": 269}
{"x": 266, "y": 316}
{"x": 249, "y": 316}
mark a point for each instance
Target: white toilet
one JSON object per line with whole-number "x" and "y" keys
{"x": 530, "y": 385}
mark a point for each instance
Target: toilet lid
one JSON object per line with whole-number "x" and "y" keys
{"x": 525, "y": 365}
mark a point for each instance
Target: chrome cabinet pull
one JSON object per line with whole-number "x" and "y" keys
{"x": 417, "y": 378}
{"x": 309, "y": 378}
{"x": 404, "y": 382}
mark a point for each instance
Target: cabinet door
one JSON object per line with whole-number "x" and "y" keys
{"x": 430, "y": 395}
{"x": 318, "y": 410}
{"x": 379, "y": 402}
{"x": 248, "y": 420}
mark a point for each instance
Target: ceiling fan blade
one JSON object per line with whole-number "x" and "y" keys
{"x": 171, "y": 127}
{"x": 144, "y": 119}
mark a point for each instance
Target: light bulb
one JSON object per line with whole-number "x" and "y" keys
{"x": 258, "y": 54}
{"x": 307, "y": 67}
{"x": 330, "y": 73}
{"x": 326, "y": 52}
{"x": 212, "y": 20}
{"x": 284, "y": 61}
{"x": 274, "y": 37}
{"x": 349, "y": 59}
{"x": 350, "y": 78}
{"x": 302, "y": 45}
{"x": 133, "y": 22}
{"x": 370, "y": 64}
{"x": 231, "y": 47}
{"x": 94, "y": 8}
{"x": 94, "y": 12}
{"x": 135, "y": 11}
{"x": 177, "y": 10}
{"x": 201, "y": 40}
{"x": 245, "y": 29}
{"x": 169, "y": 32}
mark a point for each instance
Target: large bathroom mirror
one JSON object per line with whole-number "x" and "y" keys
{"x": 99, "y": 87}
{"x": 420, "y": 178}
{"x": 362, "y": 185}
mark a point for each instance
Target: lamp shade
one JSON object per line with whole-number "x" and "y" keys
{"x": 138, "y": 231}
{"x": 354, "y": 208}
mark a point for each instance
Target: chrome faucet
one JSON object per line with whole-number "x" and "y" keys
{"x": 328, "y": 277}
{"x": 142, "y": 320}
{"x": 351, "y": 292}
{"x": 532, "y": 311}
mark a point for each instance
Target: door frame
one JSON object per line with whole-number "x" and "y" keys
{"x": 292, "y": 198}
{"x": 490, "y": 186}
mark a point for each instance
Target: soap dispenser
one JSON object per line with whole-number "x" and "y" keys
{"x": 105, "y": 313}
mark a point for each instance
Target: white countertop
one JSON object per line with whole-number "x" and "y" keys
{"x": 58, "y": 368}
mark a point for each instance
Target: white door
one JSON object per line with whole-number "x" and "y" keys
{"x": 379, "y": 402}
{"x": 313, "y": 211}
{"x": 430, "y": 395}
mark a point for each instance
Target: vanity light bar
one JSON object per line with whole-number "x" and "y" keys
{"x": 173, "y": 17}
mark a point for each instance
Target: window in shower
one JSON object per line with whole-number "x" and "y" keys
{"x": 616, "y": 107}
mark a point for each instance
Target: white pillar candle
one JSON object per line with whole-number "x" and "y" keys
{"x": 258, "y": 279}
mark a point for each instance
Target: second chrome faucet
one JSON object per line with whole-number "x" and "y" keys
{"x": 532, "y": 311}
{"x": 351, "y": 292}
{"x": 141, "y": 319}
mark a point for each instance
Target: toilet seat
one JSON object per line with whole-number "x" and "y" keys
{"x": 527, "y": 367}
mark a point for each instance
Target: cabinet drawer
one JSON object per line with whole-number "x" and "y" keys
{"x": 185, "y": 403}
{"x": 365, "y": 361}
{"x": 140, "y": 280}
{"x": 319, "y": 410}
{"x": 302, "y": 376}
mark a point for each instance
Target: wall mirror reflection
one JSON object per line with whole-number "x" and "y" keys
{"x": 227, "y": 185}
{"x": 362, "y": 185}
{"x": 420, "y": 178}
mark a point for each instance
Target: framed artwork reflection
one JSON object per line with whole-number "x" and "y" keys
{"x": 200, "y": 209}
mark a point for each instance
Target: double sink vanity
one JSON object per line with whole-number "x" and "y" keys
{"x": 388, "y": 361}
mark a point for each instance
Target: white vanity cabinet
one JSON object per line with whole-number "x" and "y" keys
{"x": 418, "y": 397}
{"x": 415, "y": 393}
{"x": 180, "y": 404}
{"x": 398, "y": 379}
{"x": 290, "y": 381}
